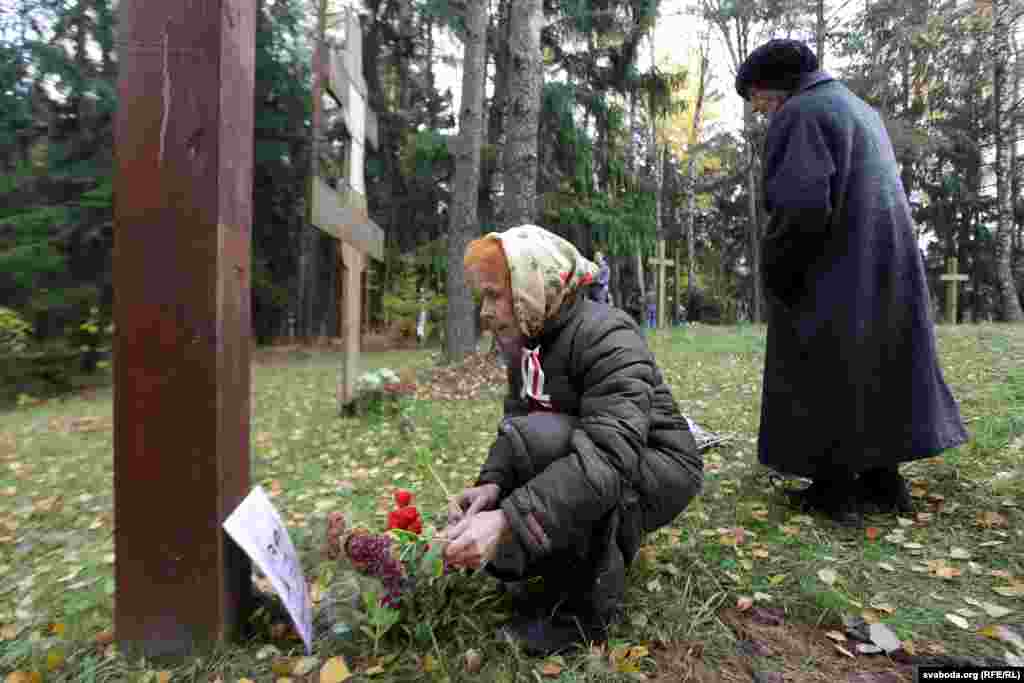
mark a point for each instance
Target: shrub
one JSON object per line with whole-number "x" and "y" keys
{"x": 15, "y": 333}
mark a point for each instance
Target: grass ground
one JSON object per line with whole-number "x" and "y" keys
{"x": 738, "y": 583}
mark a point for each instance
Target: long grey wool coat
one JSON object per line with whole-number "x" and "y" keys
{"x": 851, "y": 376}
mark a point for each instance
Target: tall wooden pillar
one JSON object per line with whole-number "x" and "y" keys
{"x": 182, "y": 224}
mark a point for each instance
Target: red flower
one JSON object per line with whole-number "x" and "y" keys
{"x": 586, "y": 279}
{"x": 403, "y": 497}
{"x": 407, "y": 518}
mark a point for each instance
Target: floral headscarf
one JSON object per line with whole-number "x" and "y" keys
{"x": 545, "y": 270}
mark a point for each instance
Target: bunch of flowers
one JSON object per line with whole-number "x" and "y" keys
{"x": 371, "y": 554}
{"x": 376, "y": 379}
{"x": 397, "y": 557}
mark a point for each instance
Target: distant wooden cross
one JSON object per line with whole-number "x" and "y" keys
{"x": 952, "y": 278}
{"x": 342, "y": 212}
{"x": 182, "y": 226}
{"x": 662, "y": 263}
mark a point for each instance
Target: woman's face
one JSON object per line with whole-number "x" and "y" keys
{"x": 766, "y": 101}
{"x": 497, "y": 313}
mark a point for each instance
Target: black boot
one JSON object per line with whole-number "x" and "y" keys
{"x": 836, "y": 495}
{"x": 883, "y": 489}
{"x": 553, "y": 633}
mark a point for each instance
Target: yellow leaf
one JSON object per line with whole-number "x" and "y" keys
{"x": 1014, "y": 590}
{"x": 374, "y": 670}
{"x": 282, "y": 666}
{"x": 777, "y": 579}
{"x": 163, "y": 677}
{"x": 871, "y": 616}
{"x": 428, "y": 664}
{"x": 18, "y": 677}
{"x": 245, "y": 680}
{"x": 55, "y": 659}
{"x": 335, "y": 670}
{"x": 58, "y": 629}
{"x": 790, "y": 530}
{"x": 8, "y": 632}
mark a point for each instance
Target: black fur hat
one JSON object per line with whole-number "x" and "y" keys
{"x": 776, "y": 65}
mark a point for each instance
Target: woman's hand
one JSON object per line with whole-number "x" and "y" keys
{"x": 472, "y": 501}
{"x": 475, "y": 539}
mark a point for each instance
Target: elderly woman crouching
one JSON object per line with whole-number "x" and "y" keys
{"x": 592, "y": 452}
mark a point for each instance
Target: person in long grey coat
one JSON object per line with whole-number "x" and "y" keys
{"x": 852, "y": 384}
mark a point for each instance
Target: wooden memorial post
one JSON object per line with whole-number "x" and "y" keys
{"x": 662, "y": 263}
{"x": 182, "y": 223}
{"x": 342, "y": 212}
{"x": 952, "y": 279}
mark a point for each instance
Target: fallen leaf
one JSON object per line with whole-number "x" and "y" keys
{"x": 871, "y": 616}
{"x": 995, "y": 611}
{"x": 335, "y": 670}
{"x": 948, "y": 572}
{"x": 24, "y": 677}
{"x": 923, "y": 517}
{"x": 1003, "y": 634}
{"x": 473, "y": 661}
{"x": 374, "y": 670}
{"x": 305, "y": 665}
{"x": 828, "y": 576}
{"x": 776, "y": 579}
{"x": 959, "y": 553}
{"x": 9, "y": 632}
{"x": 790, "y": 530}
{"x": 105, "y": 637}
{"x": 918, "y": 492}
{"x": 913, "y": 546}
{"x": 836, "y": 636}
{"x": 843, "y": 651}
{"x": 869, "y": 649}
{"x": 883, "y": 607}
{"x": 762, "y": 597}
{"x": 990, "y": 520}
{"x": 958, "y": 621}
{"x": 743, "y": 603}
{"x": 883, "y": 636}
{"x": 551, "y": 670}
{"x": 903, "y": 521}
{"x": 886, "y": 566}
{"x": 1014, "y": 590}
{"x": 55, "y": 659}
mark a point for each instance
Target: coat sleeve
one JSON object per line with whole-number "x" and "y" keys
{"x": 799, "y": 171}
{"x": 601, "y": 470}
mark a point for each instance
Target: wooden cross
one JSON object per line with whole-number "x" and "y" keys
{"x": 182, "y": 225}
{"x": 343, "y": 213}
{"x": 662, "y": 263}
{"x": 951, "y": 278}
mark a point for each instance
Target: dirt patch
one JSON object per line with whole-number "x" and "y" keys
{"x": 772, "y": 653}
{"x": 478, "y": 377}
